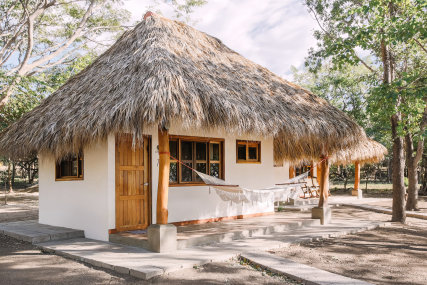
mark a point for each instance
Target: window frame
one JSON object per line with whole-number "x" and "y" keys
{"x": 248, "y": 144}
{"x": 304, "y": 168}
{"x": 195, "y": 140}
{"x": 80, "y": 157}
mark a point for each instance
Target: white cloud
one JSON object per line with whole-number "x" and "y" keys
{"x": 273, "y": 33}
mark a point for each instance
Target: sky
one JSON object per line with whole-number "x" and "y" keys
{"x": 273, "y": 33}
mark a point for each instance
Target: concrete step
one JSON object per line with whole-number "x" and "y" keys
{"x": 292, "y": 208}
{"x": 33, "y": 232}
{"x": 139, "y": 240}
{"x": 209, "y": 239}
{"x": 303, "y": 202}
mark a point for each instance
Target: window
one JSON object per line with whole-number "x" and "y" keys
{"x": 70, "y": 168}
{"x": 203, "y": 154}
{"x": 304, "y": 168}
{"x": 248, "y": 151}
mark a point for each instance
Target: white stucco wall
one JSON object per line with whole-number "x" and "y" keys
{"x": 82, "y": 204}
{"x": 89, "y": 204}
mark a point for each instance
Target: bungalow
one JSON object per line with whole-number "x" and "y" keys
{"x": 111, "y": 140}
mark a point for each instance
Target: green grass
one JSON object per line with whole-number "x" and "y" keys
{"x": 378, "y": 185}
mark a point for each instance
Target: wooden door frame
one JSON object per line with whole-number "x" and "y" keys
{"x": 150, "y": 201}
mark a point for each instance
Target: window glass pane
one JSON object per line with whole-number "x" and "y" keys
{"x": 75, "y": 166}
{"x": 200, "y": 151}
{"x": 214, "y": 151}
{"x": 65, "y": 168}
{"x": 173, "y": 148}
{"x": 241, "y": 152}
{"x": 186, "y": 150}
{"x": 173, "y": 172}
{"x": 186, "y": 173}
{"x": 252, "y": 152}
{"x": 80, "y": 167}
{"x": 214, "y": 170}
{"x": 201, "y": 167}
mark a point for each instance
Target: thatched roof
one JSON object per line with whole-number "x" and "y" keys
{"x": 366, "y": 151}
{"x": 164, "y": 71}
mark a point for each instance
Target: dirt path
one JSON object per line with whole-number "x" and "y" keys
{"x": 422, "y": 204}
{"x": 22, "y": 205}
{"x": 391, "y": 255}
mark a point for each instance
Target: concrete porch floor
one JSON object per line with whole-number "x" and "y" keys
{"x": 223, "y": 231}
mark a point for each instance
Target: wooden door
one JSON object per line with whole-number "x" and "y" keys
{"x": 133, "y": 205}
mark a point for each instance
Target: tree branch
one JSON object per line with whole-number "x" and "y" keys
{"x": 421, "y": 46}
{"x": 334, "y": 38}
{"x": 75, "y": 35}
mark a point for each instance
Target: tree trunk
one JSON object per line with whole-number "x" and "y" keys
{"x": 412, "y": 203}
{"x": 9, "y": 176}
{"x": 13, "y": 172}
{"x": 345, "y": 178}
{"x": 398, "y": 209}
{"x": 366, "y": 180}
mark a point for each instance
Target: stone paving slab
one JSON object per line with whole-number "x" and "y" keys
{"x": 32, "y": 231}
{"x": 135, "y": 261}
{"x": 298, "y": 271}
{"x": 144, "y": 264}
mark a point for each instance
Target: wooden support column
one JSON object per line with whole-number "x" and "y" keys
{"x": 324, "y": 183}
{"x": 357, "y": 191}
{"x": 163, "y": 186}
{"x": 318, "y": 167}
{"x": 291, "y": 172}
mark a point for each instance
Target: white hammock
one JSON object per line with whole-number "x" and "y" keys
{"x": 234, "y": 193}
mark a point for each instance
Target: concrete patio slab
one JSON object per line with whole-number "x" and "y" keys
{"x": 33, "y": 232}
{"x": 298, "y": 271}
{"x": 210, "y": 233}
{"x": 144, "y": 264}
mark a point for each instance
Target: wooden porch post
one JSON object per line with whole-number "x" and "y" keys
{"x": 318, "y": 167}
{"x": 291, "y": 172}
{"x": 324, "y": 183}
{"x": 323, "y": 211}
{"x": 357, "y": 191}
{"x": 163, "y": 186}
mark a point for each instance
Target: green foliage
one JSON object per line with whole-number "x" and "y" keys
{"x": 352, "y": 28}
{"x": 32, "y": 89}
{"x": 346, "y": 89}
{"x": 66, "y": 36}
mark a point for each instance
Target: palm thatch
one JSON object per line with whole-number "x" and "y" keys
{"x": 164, "y": 71}
{"x": 366, "y": 151}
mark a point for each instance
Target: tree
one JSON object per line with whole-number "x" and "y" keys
{"x": 346, "y": 89}
{"x": 28, "y": 94}
{"x": 393, "y": 33}
{"x": 37, "y": 35}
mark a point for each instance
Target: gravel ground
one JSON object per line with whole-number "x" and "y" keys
{"x": 395, "y": 254}
{"x": 422, "y": 204}
{"x": 21, "y": 205}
